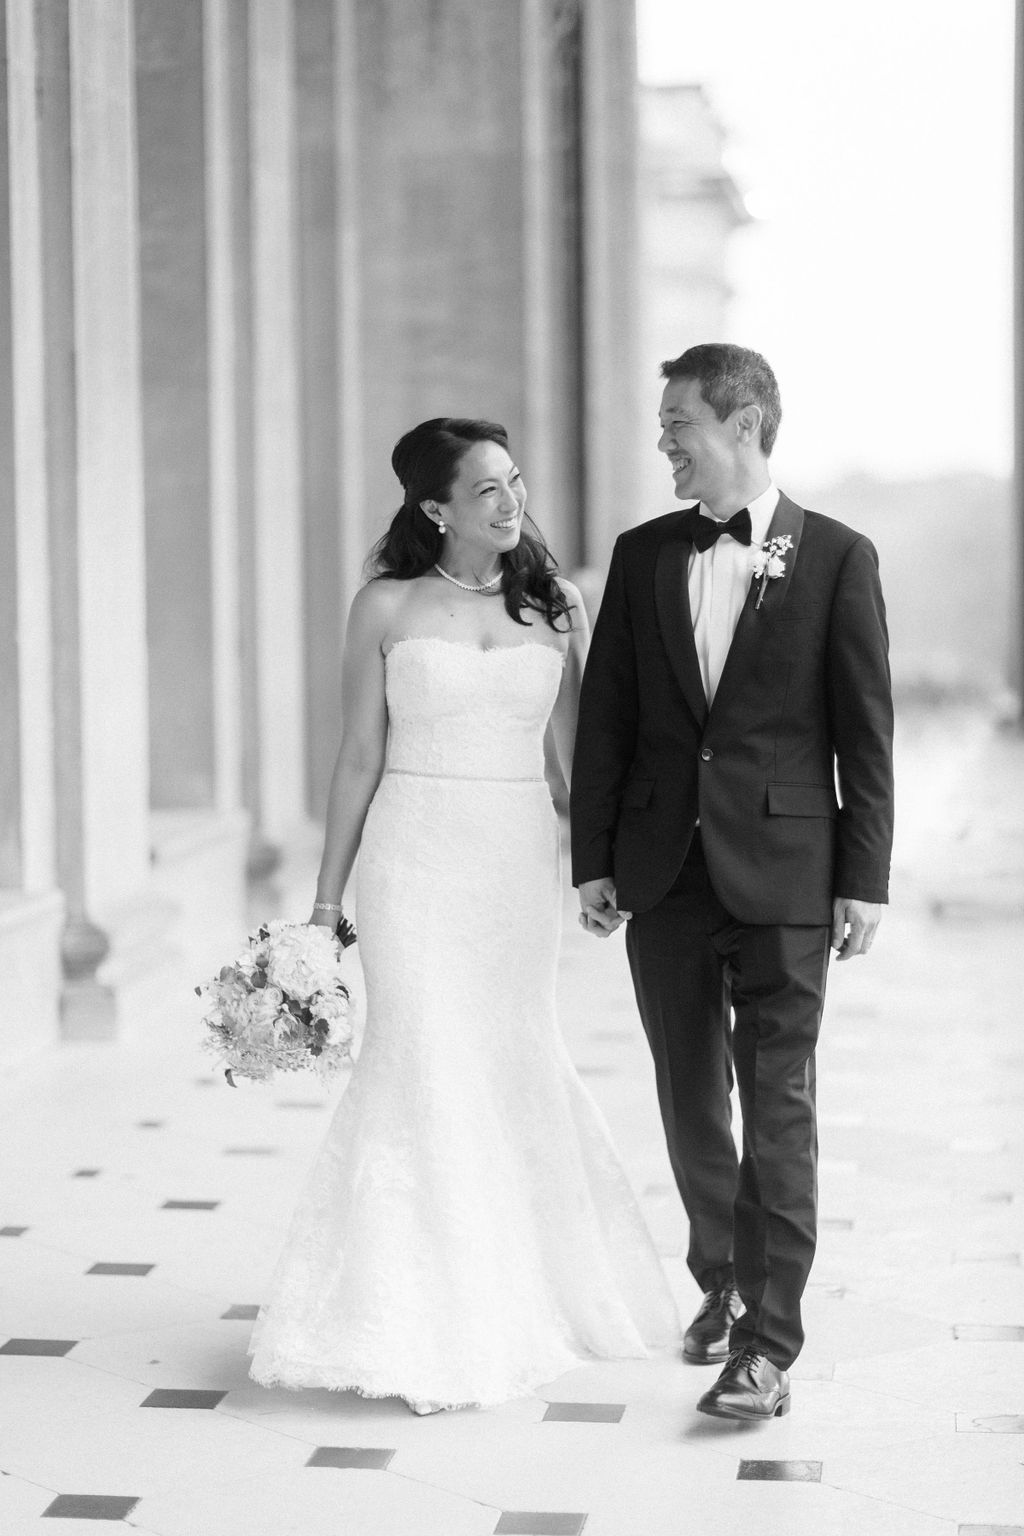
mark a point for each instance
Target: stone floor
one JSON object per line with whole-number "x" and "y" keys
{"x": 144, "y": 1204}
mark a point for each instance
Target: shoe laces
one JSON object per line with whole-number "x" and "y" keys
{"x": 746, "y": 1357}
{"x": 717, "y": 1297}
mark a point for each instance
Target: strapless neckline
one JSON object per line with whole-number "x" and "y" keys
{"x": 479, "y": 650}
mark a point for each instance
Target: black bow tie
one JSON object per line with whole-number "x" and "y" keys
{"x": 703, "y": 531}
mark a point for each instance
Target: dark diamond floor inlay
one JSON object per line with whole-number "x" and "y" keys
{"x": 836, "y": 1223}
{"x": 584, "y": 1413}
{"x": 85, "y": 1173}
{"x": 526, "y": 1522}
{"x": 779, "y": 1471}
{"x": 150, "y": 1125}
{"x": 37, "y": 1346}
{"x": 242, "y": 1312}
{"x": 89, "y": 1506}
{"x": 120, "y": 1269}
{"x": 350, "y": 1456}
{"x": 985, "y": 1333}
{"x": 12, "y": 1231}
{"x": 180, "y": 1397}
{"x": 190, "y": 1205}
{"x": 250, "y": 1151}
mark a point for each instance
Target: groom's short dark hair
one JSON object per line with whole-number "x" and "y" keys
{"x": 731, "y": 377}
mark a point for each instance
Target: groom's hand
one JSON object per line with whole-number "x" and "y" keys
{"x": 598, "y": 911}
{"x": 853, "y": 926}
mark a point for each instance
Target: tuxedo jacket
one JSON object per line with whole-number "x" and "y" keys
{"x": 789, "y": 771}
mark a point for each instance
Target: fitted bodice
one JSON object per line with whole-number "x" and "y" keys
{"x": 461, "y": 712}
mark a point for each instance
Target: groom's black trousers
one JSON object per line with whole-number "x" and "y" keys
{"x": 692, "y": 961}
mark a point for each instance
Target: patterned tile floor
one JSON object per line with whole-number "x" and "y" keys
{"x": 144, "y": 1203}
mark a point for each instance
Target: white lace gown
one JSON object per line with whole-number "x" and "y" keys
{"x": 468, "y": 1231}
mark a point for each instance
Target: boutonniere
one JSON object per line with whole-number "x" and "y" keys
{"x": 768, "y": 564}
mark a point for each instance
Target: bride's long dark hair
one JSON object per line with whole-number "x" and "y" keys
{"x": 426, "y": 461}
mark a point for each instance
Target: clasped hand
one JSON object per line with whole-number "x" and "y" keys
{"x": 599, "y": 913}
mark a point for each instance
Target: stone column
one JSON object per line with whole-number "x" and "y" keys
{"x": 543, "y": 452}
{"x": 610, "y": 275}
{"x": 226, "y": 145}
{"x": 10, "y": 692}
{"x": 318, "y": 229}
{"x": 349, "y": 255}
{"x": 277, "y": 593}
{"x": 198, "y": 832}
{"x": 175, "y": 400}
{"x": 441, "y": 177}
{"x": 103, "y": 791}
{"x": 31, "y": 909}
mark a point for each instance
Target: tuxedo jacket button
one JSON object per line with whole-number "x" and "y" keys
{"x": 706, "y": 754}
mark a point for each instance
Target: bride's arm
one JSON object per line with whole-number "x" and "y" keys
{"x": 563, "y": 716}
{"x": 364, "y": 732}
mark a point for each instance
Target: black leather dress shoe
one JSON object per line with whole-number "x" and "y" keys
{"x": 750, "y": 1387}
{"x": 707, "y": 1338}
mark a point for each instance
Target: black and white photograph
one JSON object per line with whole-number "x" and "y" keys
{"x": 511, "y": 767}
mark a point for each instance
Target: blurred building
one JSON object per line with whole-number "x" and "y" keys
{"x": 690, "y": 208}
{"x": 246, "y": 244}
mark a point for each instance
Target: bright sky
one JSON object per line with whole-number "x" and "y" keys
{"x": 874, "y": 144}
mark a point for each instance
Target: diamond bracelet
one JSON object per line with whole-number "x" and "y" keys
{"x": 327, "y": 906}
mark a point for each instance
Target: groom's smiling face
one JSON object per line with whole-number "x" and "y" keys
{"x": 705, "y": 454}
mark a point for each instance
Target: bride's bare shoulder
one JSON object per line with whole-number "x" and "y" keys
{"x": 382, "y": 607}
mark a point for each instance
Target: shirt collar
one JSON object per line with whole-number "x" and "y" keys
{"x": 761, "y": 509}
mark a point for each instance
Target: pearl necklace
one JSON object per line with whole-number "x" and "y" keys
{"x": 483, "y": 587}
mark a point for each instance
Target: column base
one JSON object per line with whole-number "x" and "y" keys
{"x": 88, "y": 1011}
{"x": 199, "y": 865}
{"x": 30, "y": 931}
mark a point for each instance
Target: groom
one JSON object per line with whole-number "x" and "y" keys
{"x": 738, "y": 671}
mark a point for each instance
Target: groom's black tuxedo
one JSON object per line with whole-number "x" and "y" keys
{"x": 736, "y": 916}
{"x": 805, "y": 689}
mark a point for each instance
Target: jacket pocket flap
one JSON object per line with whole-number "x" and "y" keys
{"x": 637, "y": 793}
{"x": 802, "y": 800}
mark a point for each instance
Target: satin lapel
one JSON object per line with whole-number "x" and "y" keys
{"x": 788, "y": 519}
{"x": 672, "y": 599}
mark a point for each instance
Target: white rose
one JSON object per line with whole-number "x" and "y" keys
{"x": 776, "y": 566}
{"x": 339, "y": 1031}
{"x": 758, "y": 562}
{"x": 330, "y": 1006}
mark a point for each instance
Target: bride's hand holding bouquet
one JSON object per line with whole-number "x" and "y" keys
{"x": 283, "y": 1004}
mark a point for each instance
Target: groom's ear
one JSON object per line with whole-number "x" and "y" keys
{"x": 748, "y": 423}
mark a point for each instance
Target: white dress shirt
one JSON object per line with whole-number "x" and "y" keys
{"x": 718, "y": 582}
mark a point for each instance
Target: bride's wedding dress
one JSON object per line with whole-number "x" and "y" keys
{"x": 468, "y": 1231}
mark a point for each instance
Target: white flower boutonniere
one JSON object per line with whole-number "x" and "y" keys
{"x": 768, "y": 564}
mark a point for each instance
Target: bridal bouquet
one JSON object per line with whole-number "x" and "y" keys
{"x": 282, "y": 1004}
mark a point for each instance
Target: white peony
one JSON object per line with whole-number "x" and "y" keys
{"x": 303, "y": 959}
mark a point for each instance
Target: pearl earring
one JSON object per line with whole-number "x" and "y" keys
{"x": 442, "y": 526}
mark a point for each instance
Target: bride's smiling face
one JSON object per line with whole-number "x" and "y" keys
{"x": 484, "y": 510}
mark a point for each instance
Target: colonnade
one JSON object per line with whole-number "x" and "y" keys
{"x": 243, "y": 245}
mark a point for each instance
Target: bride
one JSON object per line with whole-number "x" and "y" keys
{"x": 467, "y": 1232}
